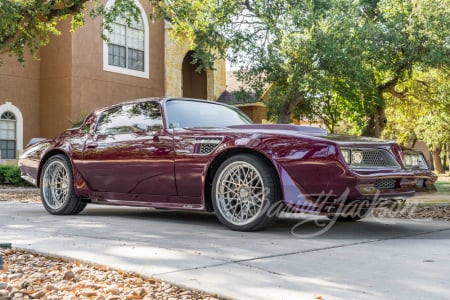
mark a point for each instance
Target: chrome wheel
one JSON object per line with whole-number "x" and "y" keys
{"x": 240, "y": 193}
{"x": 55, "y": 184}
{"x": 57, "y": 189}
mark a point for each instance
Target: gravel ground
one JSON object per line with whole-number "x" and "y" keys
{"x": 29, "y": 275}
{"x": 33, "y": 276}
{"x": 431, "y": 212}
{"x": 19, "y": 194}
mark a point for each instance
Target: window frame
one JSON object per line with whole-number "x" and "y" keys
{"x": 8, "y": 141}
{"x": 8, "y": 106}
{"x": 126, "y": 71}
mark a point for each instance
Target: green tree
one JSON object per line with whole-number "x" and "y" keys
{"x": 28, "y": 25}
{"x": 308, "y": 50}
{"x": 434, "y": 130}
{"x": 422, "y": 112}
{"x": 301, "y": 48}
{"x": 331, "y": 58}
{"x": 401, "y": 35}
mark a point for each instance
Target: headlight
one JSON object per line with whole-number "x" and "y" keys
{"x": 422, "y": 163}
{"x": 357, "y": 157}
{"x": 413, "y": 160}
{"x": 346, "y": 155}
{"x": 408, "y": 160}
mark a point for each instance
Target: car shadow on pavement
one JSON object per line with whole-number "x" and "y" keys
{"x": 301, "y": 226}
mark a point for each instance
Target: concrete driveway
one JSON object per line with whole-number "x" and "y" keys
{"x": 370, "y": 259}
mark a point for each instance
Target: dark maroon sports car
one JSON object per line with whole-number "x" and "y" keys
{"x": 198, "y": 155}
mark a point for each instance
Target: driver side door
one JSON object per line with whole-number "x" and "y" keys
{"x": 130, "y": 152}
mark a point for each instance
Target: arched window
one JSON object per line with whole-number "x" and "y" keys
{"x": 127, "y": 49}
{"x": 8, "y": 135}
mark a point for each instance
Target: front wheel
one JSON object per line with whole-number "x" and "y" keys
{"x": 57, "y": 191}
{"x": 244, "y": 188}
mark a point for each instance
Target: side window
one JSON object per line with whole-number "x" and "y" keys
{"x": 130, "y": 118}
{"x": 149, "y": 114}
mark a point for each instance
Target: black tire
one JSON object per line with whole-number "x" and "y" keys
{"x": 57, "y": 189}
{"x": 243, "y": 191}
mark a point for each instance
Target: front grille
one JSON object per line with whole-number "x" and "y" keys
{"x": 386, "y": 184}
{"x": 369, "y": 158}
{"x": 374, "y": 158}
{"x": 207, "y": 148}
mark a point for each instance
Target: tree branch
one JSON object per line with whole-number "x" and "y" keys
{"x": 247, "y": 5}
{"x": 402, "y": 65}
{"x": 391, "y": 90}
{"x": 75, "y": 7}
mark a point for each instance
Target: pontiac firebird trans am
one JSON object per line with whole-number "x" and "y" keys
{"x": 197, "y": 155}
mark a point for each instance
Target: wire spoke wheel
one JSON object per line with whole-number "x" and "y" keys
{"x": 243, "y": 189}
{"x": 56, "y": 185}
{"x": 240, "y": 192}
{"x": 57, "y": 190}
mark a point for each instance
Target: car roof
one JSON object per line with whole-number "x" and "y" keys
{"x": 159, "y": 99}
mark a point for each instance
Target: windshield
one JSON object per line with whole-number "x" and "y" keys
{"x": 190, "y": 114}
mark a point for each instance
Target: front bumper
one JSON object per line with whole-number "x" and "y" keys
{"x": 425, "y": 181}
{"x": 370, "y": 188}
{"x": 365, "y": 184}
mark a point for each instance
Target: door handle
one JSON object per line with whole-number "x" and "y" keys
{"x": 91, "y": 145}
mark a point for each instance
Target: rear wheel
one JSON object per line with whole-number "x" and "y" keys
{"x": 57, "y": 191}
{"x": 244, "y": 188}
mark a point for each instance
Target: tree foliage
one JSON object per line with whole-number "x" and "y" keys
{"x": 405, "y": 35}
{"x": 423, "y": 111}
{"x": 319, "y": 54}
{"x": 301, "y": 48}
{"x": 427, "y": 92}
{"x": 329, "y": 60}
{"x": 28, "y": 25}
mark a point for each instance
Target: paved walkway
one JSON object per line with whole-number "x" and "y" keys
{"x": 371, "y": 259}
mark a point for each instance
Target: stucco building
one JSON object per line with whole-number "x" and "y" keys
{"x": 79, "y": 72}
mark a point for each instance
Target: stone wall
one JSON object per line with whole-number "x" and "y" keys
{"x": 256, "y": 111}
{"x": 217, "y": 84}
{"x": 175, "y": 51}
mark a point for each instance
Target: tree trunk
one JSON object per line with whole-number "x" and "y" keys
{"x": 288, "y": 108}
{"x": 377, "y": 123}
{"x": 436, "y": 154}
{"x": 412, "y": 140}
{"x": 284, "y": 115}
{"x": 446, "y": 157}
{"x": 377, "y": 119}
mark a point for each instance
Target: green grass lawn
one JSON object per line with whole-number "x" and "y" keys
{"x": 443, "y": 186}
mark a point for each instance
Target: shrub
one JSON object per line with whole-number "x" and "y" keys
{"x": 11, "y": 174}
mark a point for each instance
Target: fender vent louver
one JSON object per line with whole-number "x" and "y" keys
{"x": 207, "y": 148}
{"x": 207, "y": 145}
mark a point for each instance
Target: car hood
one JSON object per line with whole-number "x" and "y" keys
{"x": 311, "y": 131}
